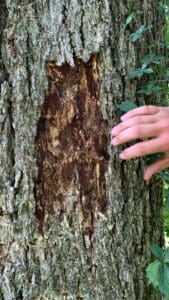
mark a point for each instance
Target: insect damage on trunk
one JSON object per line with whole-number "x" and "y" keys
{"x": 71, "y": 144}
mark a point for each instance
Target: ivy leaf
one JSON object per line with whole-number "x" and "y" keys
{"x": 144, "y": 66}
{"x": 126, "y": 106}
{"x": 134, "y": 36}
{"x": 137, "y": 35}
{"x": 153, "y": 272}
{"x": 149, "y": 89}
{"x": 148, "y": 71}
{"x": 144, "y": 28}
{"x": 129, "y": 19}
{"x": 157, "y": 251}
{"x": 137, "y": 73}
{"x": 152, "y": 58}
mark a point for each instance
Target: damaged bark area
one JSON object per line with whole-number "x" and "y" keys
{"x": 71, "y": 144}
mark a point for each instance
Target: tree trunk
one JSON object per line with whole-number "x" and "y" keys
{"x": 76, "y": 222}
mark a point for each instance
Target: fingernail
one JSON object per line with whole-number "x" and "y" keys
{"x": 147, "y": 178}
{"x": 113, "y": 132}
{"x": 123, "y": 118}
{"x": 122, "y": 156}
{"x": 114, "y": 142}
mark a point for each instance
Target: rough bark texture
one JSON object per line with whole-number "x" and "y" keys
{"x": 76, "y": 223}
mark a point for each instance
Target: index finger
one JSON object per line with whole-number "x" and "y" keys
{"x": 142, "y": 110}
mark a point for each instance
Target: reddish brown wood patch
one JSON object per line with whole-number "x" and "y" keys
{"x": 71, "y": 142}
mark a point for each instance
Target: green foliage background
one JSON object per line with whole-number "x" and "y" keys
{"x": 155, "y": 72}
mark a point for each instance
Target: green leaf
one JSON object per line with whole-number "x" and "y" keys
{"x": 149, "y": 89}
{"x": 144, "y": 66}
{"x": 164, "y": 8}
{"x": 141, "y": 29}
{"x": 144, "y": 28}
{"x": 161, "y": 7}
{"x": 153, "y": 272}
{"x": 164, "y": 279}
{"x": 134, "y": 36}
{"x": 152, "y": 58}
{"x": 166, "y": 255}
{"x": 137, "y": 73}
{"x": 148, "y": 71}
{"x": 126, "y": 106}
{"x": 157, "y": 251}
{"x": 137, "y": 35}
{"x": 129, "y": 19}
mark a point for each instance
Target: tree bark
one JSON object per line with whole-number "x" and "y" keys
{"x": 76, "y": 222}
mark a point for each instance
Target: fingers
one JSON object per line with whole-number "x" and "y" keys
{"x": 143, "y": 110}
{"x": 133, "y": 121}
{"x": 136, "y": 132}
{"x": 142, "y": 123}
{"x": 156, "y": 167}
{"x": 142, "y": 148}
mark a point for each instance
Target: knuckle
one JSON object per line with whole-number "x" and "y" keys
{"x": 149, "y": 108}
{"x": 120, "y": 127}
{"x": 144, "y": 109}
{"x": 136, "y": 120}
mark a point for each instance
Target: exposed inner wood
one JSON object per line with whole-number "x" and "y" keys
{"x": 71, "y": 142}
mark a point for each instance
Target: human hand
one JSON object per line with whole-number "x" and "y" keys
{"x": 146, "y": 122}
